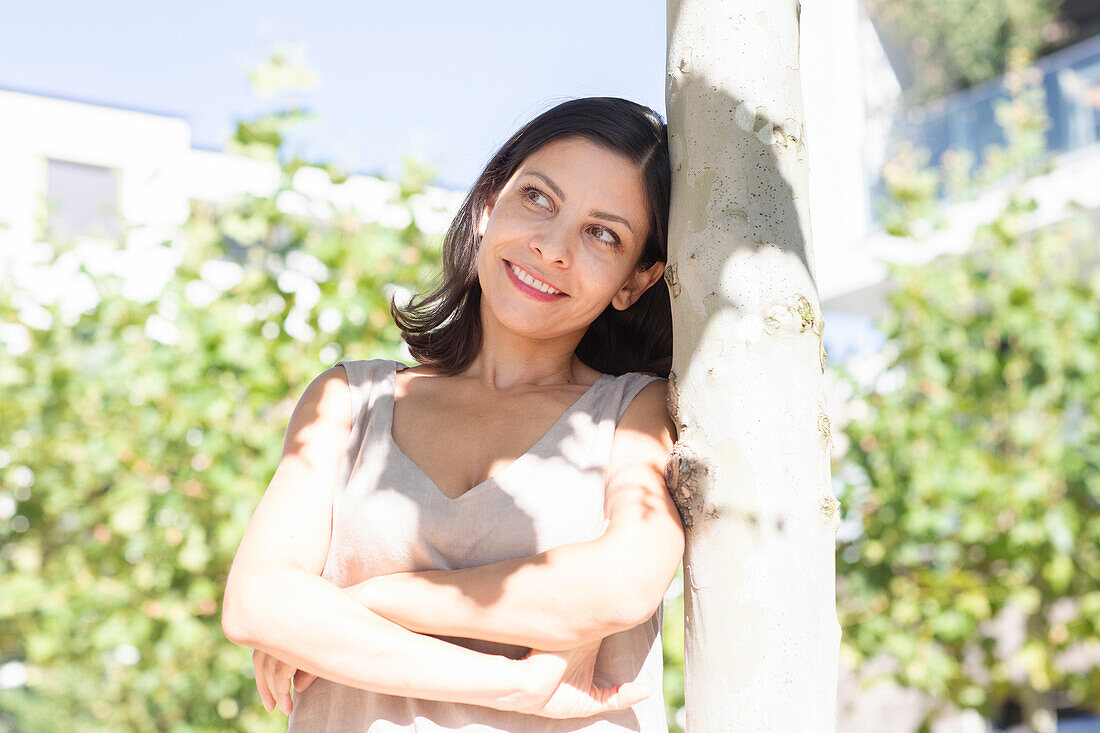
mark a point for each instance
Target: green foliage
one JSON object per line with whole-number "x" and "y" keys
{"x": 911, "y": 192}
{"x": 135, "y": 463}
{"x": 285, "y": 70}
{"x": 672, "y": 637}
{"x": 914, "y": 188}
{"x": 1024, "y": 122}
{"x": 978, "y": 468}
{"x": 954, "y": 44}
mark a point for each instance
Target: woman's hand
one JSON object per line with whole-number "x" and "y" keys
{"x": 562, "y": 685}
{"x": 273, "y": 680}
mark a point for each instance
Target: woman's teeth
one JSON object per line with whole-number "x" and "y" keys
{"x": 536, "y": 284}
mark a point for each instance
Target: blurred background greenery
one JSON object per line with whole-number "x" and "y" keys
{"x": 971, "y": 566}
{"x": 136, "y": 455}
{"x": 135, "y": 441}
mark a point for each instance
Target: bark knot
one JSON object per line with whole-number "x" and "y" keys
{"x": 824, "y": 427}
{"x": 829, "y": 506}
{"x": 671, "y": 280}
{"x": 684, "y": 473}
{"x": 795, "y": 316}
{"x": 685, "y": 64}
{"x": 788, "y": 134}
{"x": 805, "y": 311}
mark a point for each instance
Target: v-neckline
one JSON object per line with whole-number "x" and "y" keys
{"x": 477, "y": 488}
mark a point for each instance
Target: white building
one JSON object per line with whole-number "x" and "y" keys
{"x": 94, "y": 176}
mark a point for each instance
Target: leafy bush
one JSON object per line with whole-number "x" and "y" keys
{"x": 136, "y": 440}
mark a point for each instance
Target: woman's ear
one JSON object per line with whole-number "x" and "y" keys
{"x": 486, "y": 212}
{"x": 639, "y": 282}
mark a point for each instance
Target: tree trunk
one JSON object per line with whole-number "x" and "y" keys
{"x": 750, "y": 470}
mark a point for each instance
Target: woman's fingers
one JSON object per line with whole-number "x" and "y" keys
{"x": 625, "y": 695}
{"x": 303, "y": 679}
{"x": 273, "y": 680}
{"x": 270, "y": 664}
{"x": 599, "y": 700}
{"x": 563, "y": 686}
{"x": 280, "y": 679}
{"x": 259, "y": 660}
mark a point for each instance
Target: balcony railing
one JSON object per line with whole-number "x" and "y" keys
{"x": 965, "y": 120}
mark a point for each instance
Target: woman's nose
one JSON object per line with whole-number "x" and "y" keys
{"x": 553, "y": 243}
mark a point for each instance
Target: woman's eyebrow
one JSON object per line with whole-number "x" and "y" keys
{"x": 553, "y": 186}
{"x": 598, "y": 214}
{"x": 611, "y": 217}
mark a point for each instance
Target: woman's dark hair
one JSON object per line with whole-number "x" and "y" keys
{"x": 443, "y": 328}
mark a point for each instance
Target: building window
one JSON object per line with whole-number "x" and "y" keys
{"x": 82, "y": 201}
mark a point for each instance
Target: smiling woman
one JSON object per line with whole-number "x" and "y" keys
{"x": 482, "y": 542}
{"x": 443, "y": 327}
{"x": 533, "y": 241}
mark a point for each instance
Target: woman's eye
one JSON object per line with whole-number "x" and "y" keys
{"x": 606, "y": 235}
{"x": 536, "y": 197}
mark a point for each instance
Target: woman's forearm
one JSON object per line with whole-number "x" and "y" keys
{"x": 307, "y": 621}
{"x": 559, "y": 599}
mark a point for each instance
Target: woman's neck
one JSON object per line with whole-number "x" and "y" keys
{"x": 507, "y": 359}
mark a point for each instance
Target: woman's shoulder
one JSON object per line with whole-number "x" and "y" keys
{"x": 641, "y": 381}
{"x": 375, "y": 363}
{"x": 324, "y": 403}
{"x": 360, "y": 372}
{"x": 644, "y": 376}
{"x": 644, "y": 395}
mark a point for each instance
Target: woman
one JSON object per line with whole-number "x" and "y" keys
{"x": 424, "y": 560}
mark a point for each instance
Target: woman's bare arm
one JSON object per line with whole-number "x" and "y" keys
{"x": 276, "y": 601}
{"x": 573, "y": 594}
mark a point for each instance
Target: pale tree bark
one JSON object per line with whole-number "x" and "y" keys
{"x": 750, "y": 471}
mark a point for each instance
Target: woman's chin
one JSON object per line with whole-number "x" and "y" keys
{"x": 520, "y": 322}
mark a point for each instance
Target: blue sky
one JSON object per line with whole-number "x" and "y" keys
{"x": 448, "y": 81}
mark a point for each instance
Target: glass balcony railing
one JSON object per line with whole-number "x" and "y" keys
{"x": 965, "y": 120}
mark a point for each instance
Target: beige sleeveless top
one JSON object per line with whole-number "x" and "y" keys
{"x": 388, "y": 517}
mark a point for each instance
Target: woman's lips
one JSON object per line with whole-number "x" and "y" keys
{"x": 527, "y": 289}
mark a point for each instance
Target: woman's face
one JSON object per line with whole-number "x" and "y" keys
{"x": 572, "y": 217}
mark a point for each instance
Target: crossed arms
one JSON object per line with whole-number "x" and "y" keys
{"x": 372, "y": 635}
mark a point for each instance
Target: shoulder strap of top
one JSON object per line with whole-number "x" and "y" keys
{"x": 364, "y": 376}
{"x": 631, "y": 384}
